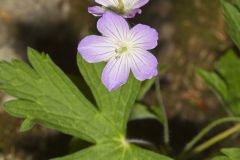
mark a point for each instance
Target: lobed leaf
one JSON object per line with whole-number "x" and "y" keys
{"x": 46, "y": 96}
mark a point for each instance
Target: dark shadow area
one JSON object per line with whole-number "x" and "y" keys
{"x": 44, "y": 147}
{"x": 59, "y": 41}
{"x": 149, "y": 130}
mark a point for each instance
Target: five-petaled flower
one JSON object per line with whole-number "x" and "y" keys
{"x": 126, "y": 8}
{"x": 123, "y": 48}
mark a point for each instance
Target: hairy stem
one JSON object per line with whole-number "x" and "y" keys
{"x": 214, "y": 124}
{"x": 163, "y": 110}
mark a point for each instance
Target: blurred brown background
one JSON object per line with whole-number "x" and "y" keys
{"x": 191, "y": 33}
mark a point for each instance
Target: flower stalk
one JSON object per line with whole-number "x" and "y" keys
{"x": 216, "y": 139}
{"x": 163, "y": 110}
{"x": 214, "y": 124}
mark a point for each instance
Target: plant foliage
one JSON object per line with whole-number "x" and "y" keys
{"x": 229, "y": 154}
{"x": 45, "y": 95}
{"x": 225, "y": 81}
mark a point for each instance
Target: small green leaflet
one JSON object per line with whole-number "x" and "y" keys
{"x": 226, "y": 81}
{"x": 229, "y": 154}
{"x": 232, "y": 14}
{"x": 141, "y": 111}
{"x": 46, "y": 96}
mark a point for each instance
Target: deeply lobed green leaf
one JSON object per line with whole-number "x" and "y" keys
{"x": 48, "y": 97}
{"x": 45, "y": 95}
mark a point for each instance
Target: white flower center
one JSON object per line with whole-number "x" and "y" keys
{"x": 123, "y": 48}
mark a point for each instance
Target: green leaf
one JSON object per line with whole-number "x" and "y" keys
{"x": 220, "y": 158}
{"x": 237, "y": 3}
{"x": 46, "y": 96}
{"x": 232, "y": 14}
{"x": 226, "y": 81}
{"x": 114, "y": 151}
{"x": 229, "y": 154}
{"x": 117, "y": 105}
{"x": 229, "y": 69}
{"x": 141, "y": 111}
{"x": 62, "y": 118}
{"x": 232, "y": 153}
{"x": 27, "y": 124}
{"x": 214, "y": 81}
{"x": 159, "y": 113}
{"x": 49, "y": 97}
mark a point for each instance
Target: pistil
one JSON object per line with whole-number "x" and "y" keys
{"x": 120, "y": 5}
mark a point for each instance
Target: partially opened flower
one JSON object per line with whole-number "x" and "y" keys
{"x": 126, "y": 8}
{"x": 123, "y": 48}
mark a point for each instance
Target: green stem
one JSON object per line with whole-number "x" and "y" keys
{"x": 214, "y": 124}
{"x": 163, "y": 110}
{"x": 216, "y": 139}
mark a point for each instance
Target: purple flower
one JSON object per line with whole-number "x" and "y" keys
{"x": 126, "y": 8}
{"x": 123, "y": 48}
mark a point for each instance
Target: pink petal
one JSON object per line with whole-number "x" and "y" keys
{"x": 143, "y": 64}
{"x": 116, "y": 73}
{"x": 96, "y": 48}
{"x": 132, "y": 14}
{"x": 144, "y": 36}
{"x": 113, "y": 25}
{"x": 96, "y": 10}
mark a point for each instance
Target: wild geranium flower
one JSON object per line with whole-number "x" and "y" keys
{"x": 126, "y": 8}
{"x": 123, "y": 48}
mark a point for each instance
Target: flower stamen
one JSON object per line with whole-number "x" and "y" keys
{"x": 120, "y": 51}
{"x": 120, "y": 5}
